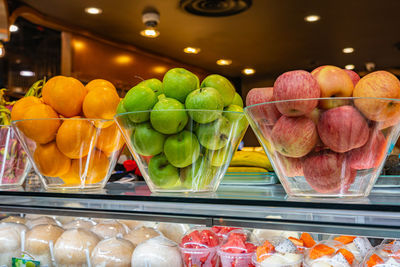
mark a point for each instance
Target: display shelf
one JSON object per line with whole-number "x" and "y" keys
{"x": 251, "y": 206}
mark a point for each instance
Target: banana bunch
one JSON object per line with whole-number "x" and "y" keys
{"x": 250, "y": 161}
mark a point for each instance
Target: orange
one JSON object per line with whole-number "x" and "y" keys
{"x": 65, "y": 95}
{"x": 75, "y": 137}
{"x": 109, "y": 139}
{"x": 41, "y": 125}
{"x": 96, "y": 169}
{"x": 99, "y": 82}
{"x": 50, "y": 161}
{"x": 20, "y": 107}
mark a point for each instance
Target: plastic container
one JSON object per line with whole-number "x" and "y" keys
{"x": 329, "y": 253}
{"x": 14, "y": 163}
{"x": 337, "y": 152}
{"x": 187, "y": 157}
{"x": 81, "y": 153}
{"x": 238, "y": 249}
{"x": 199, "y": 247}
{"x": 383, "y": 256}
{"x": 359, "y": 246}
{"x": 278, "y": 252}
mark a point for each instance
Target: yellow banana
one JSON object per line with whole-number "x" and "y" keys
{"x": 251, "y": 159}
{"x": 246, "y": 169}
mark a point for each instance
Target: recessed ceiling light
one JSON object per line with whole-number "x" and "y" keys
{"x": 160, "y": 69}
{"x": 191, "y": 50}
{"x": 248, "y": 71}
{"x": 26, "y": 73}
{"x": 2, "y": 50}
{"x": 93, "y": 10}
{"x": 123, "y": 59}
{"x": 13, "y": 28}
{"x": 349, "y": 67}
{"x": 312, "y": 18}
{"x": 348, "y": 50}
{"x": 150, "y": 33}
{"x": 224, "y": 62}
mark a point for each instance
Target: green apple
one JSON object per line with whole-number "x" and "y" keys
{"x": 161, "y": 96}
{"x": 237, "y": 100}
{"x": 191, "y": 125}
{"x": 182, "y": 149}
{"x": 219, "y": 157}
{"x": 123, "y": 120}
{"x": 168, "y": 116}
{"x": 236, "y": 117}
{"x": 154, "y": 84}
{"x": 222, "y": 85}
{"x": 162, "y": 173}
{"x": 214, "y": 135}
{"x": 204, "y": 99}
{"x": 139, "y": 98}
{"x": 178, "y": 83}
{"x": 198, "y": 175}
{"x": 146, "y": 141}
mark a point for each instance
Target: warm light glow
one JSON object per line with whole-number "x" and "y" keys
{"x": 26, "y": 73}
{"x": 248, "y": 71}
{"x": 224, "y": 62}
{"x": 349, "y": 67}
{"x": 123, "y": 59}
{"x": 78, "y": 45}
{"x": 348, "y": 50}
{"x": 312, "y": 18}
{"x": 13, "y": 28}
{"x": 191, "y": 50}
{"x": 2, "y": 50}
{"x": 93, "y": 10}
{"x": 150, "y": 33}
{"x": 159, "y": 69}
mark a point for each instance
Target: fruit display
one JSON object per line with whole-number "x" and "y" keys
{"x": 383, "y": 255}
{"x": 279, "y": 252}
{"x": 359, "y": 246}
{"x": 250, "y": 161}
{"x": 181, "y": 132}
{"x": 329, "y": 254}
{"x": 68, "y": 131}
{"x": 327, "y": 133}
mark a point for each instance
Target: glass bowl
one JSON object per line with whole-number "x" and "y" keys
{"x": 177, "y": 154}
{"x": 14, "y": 162}
{"x": 382, "y": 256}
{"x": 336, "y": 152}
{"x": 71, "y": 153}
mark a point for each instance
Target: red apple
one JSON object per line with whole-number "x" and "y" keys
{"x": 353, "y": 76}
{"x": 371, "y": 154}
{"x": 290, "y": 167}
{"x": 381, "y": 84}
{"x": 388, "y": 123}
{"x": 314, "y": 115}
{"x": 298, "y": 84}
{"x": 328, "y": 172}
{"x": 333, "y": 82}
{"x": 294, "y": 137}
{"x": 343, "y": 129}
{"x": 265, "y": 112}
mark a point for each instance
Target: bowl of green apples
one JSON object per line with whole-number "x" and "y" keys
{"x": 181, "y": 133}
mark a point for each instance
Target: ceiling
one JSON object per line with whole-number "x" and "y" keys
{"x": 271, "y": 36}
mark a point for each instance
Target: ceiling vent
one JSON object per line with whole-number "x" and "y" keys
{"x": 215, "y": 8}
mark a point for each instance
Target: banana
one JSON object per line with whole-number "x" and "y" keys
{"x": 246, "y": 169}
{"x": 251, "y": 159}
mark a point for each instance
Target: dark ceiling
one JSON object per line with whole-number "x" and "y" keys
{"x": 271, "y": 36}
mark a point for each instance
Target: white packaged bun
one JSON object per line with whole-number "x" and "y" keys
{"x": 141, "y": 234}
{"x": 112, "y": 252}
{"x": 42, "y": 220}
{"x": 265, "y": 234}
{"x": 109, "y": 228}
{"x": 10, "y": 242}
{"x": 134, "y": 224}
{"x": 157, "y": 252}
{"x": 80, "y": 223}
{"x": 65, "y": 219}
{"x": 173, "y": 231}
{"x": 38, "y": 239}
{"x": 14, "y": 219}
{"x": 73, "y": 248}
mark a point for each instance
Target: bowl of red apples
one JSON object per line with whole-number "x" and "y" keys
{"x": 328, "y": 132}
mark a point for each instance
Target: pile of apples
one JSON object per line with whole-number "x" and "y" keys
{"x": 326, "y": 140}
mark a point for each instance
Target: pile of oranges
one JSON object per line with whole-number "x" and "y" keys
{"x": 70, "y": 128}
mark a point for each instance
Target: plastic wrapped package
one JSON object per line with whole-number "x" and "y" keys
{"x": 10, "y": 241}
{"x": 141, "y": 234}
{"x": 329, "y": 253}
{"x": 112, "y": 252}
{"x": 278, "y": 252}
{"x": 110, "y": 228}
{"x": 265, "y": 234}
{"x": 40, "y": 240}
{"x": 65, "y": 219}
{"x": 80, "y": 223}
{"x": 173, "y": 231}
{"x": 157, "y": 252}
{"x": 42, "y": 220}
{"x": 359, "y": 246}
{"x": 385, "y": 255}
{"x": 14, "y": 219}
{"x": 73, "y": 248}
